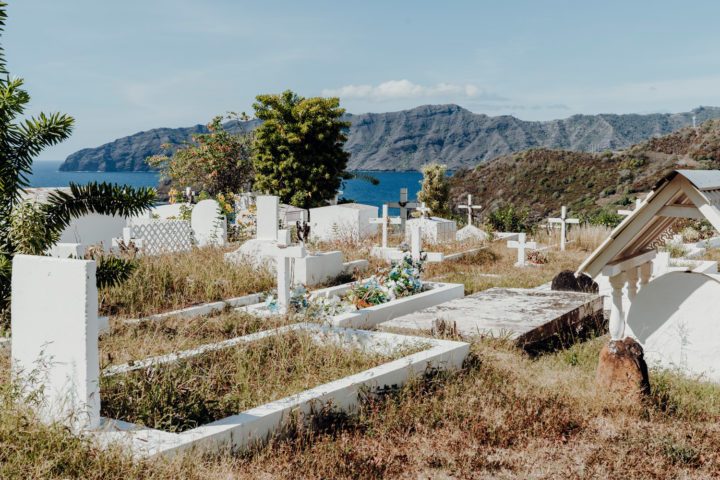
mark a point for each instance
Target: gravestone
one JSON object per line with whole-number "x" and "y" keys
{"x": 434, "y": 229}
{"x": 268, "y": 217}
{"x": 345, "y": 222}
{"x": 55, "y": 336}
{"x": 521, "y": 245}
{"x": 675, "y": 318}
{"x": 208, "y": 224}
{"x": 385, "y": 220}
{"x": 563, "y": 221}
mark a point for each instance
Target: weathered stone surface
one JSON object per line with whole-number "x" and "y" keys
{"x": 622, "y": 367}
{"x": 527, "y": 316}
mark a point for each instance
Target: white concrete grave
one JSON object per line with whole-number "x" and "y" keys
{"x": 526, "y": 316}
{"x": 347, "y": 221}
{"x": 208, "y": 224}
{"x": 283, "y": 253}
{"x": 55, "y": 336}
{"x": 675, "y": 318}
{"x": 563, "y": 221}
{"x": 416, "y": 252}
{"x": 257, "y": 424}
{"x": 434, "y": 229}
{"x": 521, "y": 245}
{"x": 268, "y": 217}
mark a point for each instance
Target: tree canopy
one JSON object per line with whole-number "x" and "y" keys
{"x": 435, "y": 191}
{"x": 298, "y": 149}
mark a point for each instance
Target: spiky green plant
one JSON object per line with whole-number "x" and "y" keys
{"x": 33, "y": 228}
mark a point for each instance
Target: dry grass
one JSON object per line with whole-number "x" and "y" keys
{"x": 218, "y": 384}
{"x": 169, "y": 282}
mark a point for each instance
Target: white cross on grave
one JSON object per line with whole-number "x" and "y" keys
{"x": 423, "y": 210}
{"x": 470, "y": 207}
{"x": 403, "y": 205}
{"x": 563, "y": 221}
{"x": 626, "y": 213}
{"x": 283, "y": 253}
{"x": 386, "y": 220}
{"x": 521, "y": 245}
{"x": 415, "y": 242}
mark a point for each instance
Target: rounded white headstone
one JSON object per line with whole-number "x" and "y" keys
{"x": 677, "y": 319}
{"x": 208, "y": 223}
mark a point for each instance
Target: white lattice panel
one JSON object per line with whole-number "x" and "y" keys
{"x": 163, "y": 236}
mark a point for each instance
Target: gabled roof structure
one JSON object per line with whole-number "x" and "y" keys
{"x": 681, "y": 194}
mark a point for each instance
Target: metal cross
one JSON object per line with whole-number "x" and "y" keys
{"x": 403, "y": 204}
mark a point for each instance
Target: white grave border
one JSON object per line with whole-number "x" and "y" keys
{"x": 258, "y": 423}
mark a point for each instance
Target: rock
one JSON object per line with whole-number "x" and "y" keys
{"x": 622, "y": 367}
{"x": 566, "y": 281}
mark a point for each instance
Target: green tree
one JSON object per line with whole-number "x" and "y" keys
{"x": 216, "y": 162}
{"x": 299, "y": 152}
{"x": 435, "y": 191}
{"x": 33, "y": 227}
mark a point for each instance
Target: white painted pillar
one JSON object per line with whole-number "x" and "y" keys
{"x": 632, "y": 283}
{"x": 563, "y": 215}
{"x": 645, "y": 273}
{"x": 617, "y": 316}
{"x": 283, "y": 282}
{"x": 385, "y": 217}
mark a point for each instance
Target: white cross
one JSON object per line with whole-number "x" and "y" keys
{"x": 626, "y": 213}
{"x": 337, "y": 197}
{"x": 283, "y": 253}
{"x": 563, "y": 221}
{"x": 423, "y": 210}
{"x": 386, "y": 220}
{"x": 415, "y": 241}
{"x": 403, "y": 205}
{"x": 521, "y": 245}
{"x": 470, "y": 207}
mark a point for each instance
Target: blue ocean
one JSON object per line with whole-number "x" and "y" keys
{"x": 46, "y": 174}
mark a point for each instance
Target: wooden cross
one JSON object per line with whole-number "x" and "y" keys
{"x": 626, "y": 213}
{"x": 403, "y": 205}
{"x": 386, "y": 220}
{"x": 283, "y": 253}
{"x": 521, "y": 245}
{"x": 423, "y": 210}
{"x": 470, "y": 207}
{"x": 563, "y": 221}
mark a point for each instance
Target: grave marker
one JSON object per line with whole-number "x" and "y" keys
{"x": 521, "y": 245}
{"x": 208, "y": 223}
{"x": 268, "y": 217}
{"x": 563, "y": 221}
{"x": 470, "y": 207}
{"x": 403, "y": 205}
{"x": 415, "y": 242}
{"x": 424, "y": 210}
{"x": 283, "y": 252}
{"x": 385, "y": 220}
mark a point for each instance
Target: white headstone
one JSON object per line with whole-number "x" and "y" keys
{"x": 55, "y": 336}
{"x": 521, "y": 245}
{"x": 675, "y": 317}
{"x": 415, "y": 242}
{"x": 563, "y": 221}
{"x": 208, "y": 224}
{"x": 470, "y": 207}
{"x": 268, "y": 217}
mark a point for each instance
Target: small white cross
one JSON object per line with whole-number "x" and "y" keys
{"x": 470, "y": 207}
{"x": 521, "y": 245}
{"x": 563, "y": 221}
{"x": 283, "y": 254}
{"x": 386, "y": 220}
{"x": 423, "y": 210}
{"x": 626, "y": 213}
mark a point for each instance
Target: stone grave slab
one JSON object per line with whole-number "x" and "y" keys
{"x": 526, "y": 316}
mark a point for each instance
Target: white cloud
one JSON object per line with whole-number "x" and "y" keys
{"x": 394, "y": 89}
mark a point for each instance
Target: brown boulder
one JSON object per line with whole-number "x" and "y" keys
{"x": 622, "y": 367}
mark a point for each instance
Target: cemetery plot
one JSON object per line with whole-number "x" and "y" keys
{"x": 526, "y": 316}
{"x": 217, "y": 380}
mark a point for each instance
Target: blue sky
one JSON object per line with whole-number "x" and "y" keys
{"x": 123, "y": 66}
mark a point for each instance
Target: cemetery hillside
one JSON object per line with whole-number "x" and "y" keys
{"x": 540, "y": 180}
{"x": 254, "y": 298}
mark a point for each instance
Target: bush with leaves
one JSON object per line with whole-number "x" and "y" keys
{"x": 298, "y": 149}
{"x": 32, "y": 228}
{"x": 435, "y": 191}
{"x": 508, "y": 219}
{"x": 217, "y": 162}
{"x": 606, "y": 218}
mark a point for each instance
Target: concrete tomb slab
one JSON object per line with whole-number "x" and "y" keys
{"x": 526, "y": 316}
{"x": 675, "y": 317}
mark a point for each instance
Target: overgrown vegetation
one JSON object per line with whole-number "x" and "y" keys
{"x": 435, "y": 191}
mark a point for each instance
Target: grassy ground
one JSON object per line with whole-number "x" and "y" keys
{"x": 505, "y": 415}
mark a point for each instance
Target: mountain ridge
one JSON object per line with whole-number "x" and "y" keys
{"x": 408, "y": 139}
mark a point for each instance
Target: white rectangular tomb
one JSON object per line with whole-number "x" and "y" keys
{"x": 526, "y": 316}
{"x": 347, "y": 221}
{"x": 434, "y": 229}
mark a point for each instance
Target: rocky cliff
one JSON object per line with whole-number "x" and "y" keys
{"x": 408, "y": 139}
